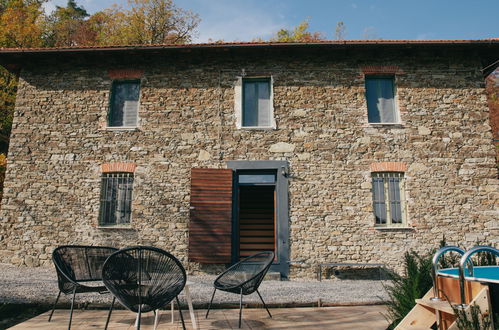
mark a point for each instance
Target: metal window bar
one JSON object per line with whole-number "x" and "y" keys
{"x": 379, "y": 200}
{"x": 388, "y": 203}
{"x": 116, "y": 198}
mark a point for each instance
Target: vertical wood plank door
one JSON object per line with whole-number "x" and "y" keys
{"x": 210, "y": 226}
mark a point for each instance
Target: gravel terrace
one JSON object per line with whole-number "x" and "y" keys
{"x": 23, "y": 285}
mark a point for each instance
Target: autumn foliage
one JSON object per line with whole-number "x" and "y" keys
{"x": 298, "y": 33}
{"x": 24, "y": 24}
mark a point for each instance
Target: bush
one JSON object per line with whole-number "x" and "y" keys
{"x": 405, "y": 289}
{"x": 474, "y": 320}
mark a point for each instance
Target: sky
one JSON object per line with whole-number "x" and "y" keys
{"x": 245, "y": 20}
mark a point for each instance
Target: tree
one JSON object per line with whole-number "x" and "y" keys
{"x": 66, "y": 26}
{"x": 21, "y": 26}
{"x": 298, "y": 33}
{"x": 8, "y": 89}
{"x": 369, "y": 33}
{"x": 340, "y": 31}
{"x": 21, "y": 23}
{"x": 146, "y": 22}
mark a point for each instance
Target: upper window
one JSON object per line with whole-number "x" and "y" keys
{"x": 256, "y": 109}
{"x": 124, "y": 105}
{"x": 380, "y": 92}
{"x": 116, "y": 199}
{"x": 388, "y": 198}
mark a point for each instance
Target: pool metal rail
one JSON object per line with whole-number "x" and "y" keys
{"x": 464, "y": 260}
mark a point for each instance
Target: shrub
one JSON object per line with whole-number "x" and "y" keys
{"x": 405, "y": 289}
{"x": 474, "y": 320}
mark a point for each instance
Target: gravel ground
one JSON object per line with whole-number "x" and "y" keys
{"x": 39, "y": 286}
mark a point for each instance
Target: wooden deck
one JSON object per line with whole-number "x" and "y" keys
{"x": 351, "y": 317}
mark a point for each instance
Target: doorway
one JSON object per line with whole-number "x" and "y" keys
{"x": 260, "y": 219}
{"x": 256, "y": 216}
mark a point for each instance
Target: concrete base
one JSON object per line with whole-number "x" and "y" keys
{"x": 272, "y": 276}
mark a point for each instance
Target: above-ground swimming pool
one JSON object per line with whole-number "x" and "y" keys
{"x": 486, "y": 274}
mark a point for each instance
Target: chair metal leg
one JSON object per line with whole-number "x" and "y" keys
{"x": 156, "y": 318}
{"x": 139, "y": 316}
{"x": 109, "y": 314}
{"x": 53, "y": 309}
{"x": 240, "y": 307}
{"x": 263, "y": 302}
{"x": 180, "y": 311}
{"x": 72, "y": 305}
{"x": 209, "y": 306}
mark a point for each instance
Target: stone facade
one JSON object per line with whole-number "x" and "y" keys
{"x": 60, "y": 145}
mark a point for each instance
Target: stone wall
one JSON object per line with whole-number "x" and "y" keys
{"x": 59, "y": 142}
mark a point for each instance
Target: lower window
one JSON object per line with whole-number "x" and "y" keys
{"x": 116, "y": 198}
{"x": 388, "y": 198}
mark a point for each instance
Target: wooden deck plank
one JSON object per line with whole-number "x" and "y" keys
{"x": 355, "y": 317}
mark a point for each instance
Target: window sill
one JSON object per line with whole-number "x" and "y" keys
{"x": 393, "y": 228}
{"x": 121, "y": 128}
{"x": 385, "y": 125}
{"x": 118, "y": 227}
{"x": 257, "y": 128}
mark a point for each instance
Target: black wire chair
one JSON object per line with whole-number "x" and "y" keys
{"x": 144, "y": 279}
{"x": 244, "y": 278}
{"x": 79, "y": 270}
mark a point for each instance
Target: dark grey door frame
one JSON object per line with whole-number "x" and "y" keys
{"x": 282, "y": 208}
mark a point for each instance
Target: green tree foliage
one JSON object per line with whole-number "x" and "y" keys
{"x": 66, "y": 26}
{"x": 298, "y": 33}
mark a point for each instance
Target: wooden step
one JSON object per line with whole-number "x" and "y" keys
{"x": 440, "y": 305}
{"x": 420, "y": 317}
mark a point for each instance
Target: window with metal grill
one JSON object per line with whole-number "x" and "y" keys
{"x": 116, "y": 198}
{"x": 124, "y": 104}
{"x": 388, "y": 198}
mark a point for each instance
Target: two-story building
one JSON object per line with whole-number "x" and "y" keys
{"x": 334, "y": 151}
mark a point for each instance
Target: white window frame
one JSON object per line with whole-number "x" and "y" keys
{"x": 111, "y": 99}
{"x": 238, "y": 103}
{"x": 396, "y": 110}
{"x": 402, "y": 193}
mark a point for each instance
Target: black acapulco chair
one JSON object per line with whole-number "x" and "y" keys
{"x": 79, "y": 270}
{"x": 144, "y": 279}
{"x": 244, "y": 278}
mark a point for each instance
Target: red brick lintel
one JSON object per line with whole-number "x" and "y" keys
{"x": 388, "y": 167}
{"x": 381, "y": 69}
{"x": 125, "y": 73}
{"x": 118, "y": 167}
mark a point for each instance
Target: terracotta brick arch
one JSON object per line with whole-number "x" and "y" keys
{"x": 118, "y": 167}
{"x": 388, "y": 167}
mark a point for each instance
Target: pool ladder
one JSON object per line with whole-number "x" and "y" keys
{"x": 465, "y": 259}
{"x": 428, "y": 309}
